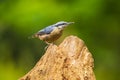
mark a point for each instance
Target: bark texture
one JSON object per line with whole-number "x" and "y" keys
{"x": 71, "y": 60}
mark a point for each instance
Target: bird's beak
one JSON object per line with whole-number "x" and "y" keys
{"x": 70, "y": 23}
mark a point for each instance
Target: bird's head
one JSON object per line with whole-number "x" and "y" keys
{"x": 62, "y": 24}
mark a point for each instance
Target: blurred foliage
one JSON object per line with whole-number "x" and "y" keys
{"x": 97, "y": 22}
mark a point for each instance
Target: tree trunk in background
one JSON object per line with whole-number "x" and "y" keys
{"x": 71, "y": 60}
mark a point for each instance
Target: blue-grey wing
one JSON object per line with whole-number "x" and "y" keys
{"x": 46, "y": 30}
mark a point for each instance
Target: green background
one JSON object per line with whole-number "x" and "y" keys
{"x": 97, "y": 22}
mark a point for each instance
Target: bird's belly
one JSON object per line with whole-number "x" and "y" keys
{"x": 50, "y": 37}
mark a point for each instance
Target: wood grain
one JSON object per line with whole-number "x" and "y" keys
{"x": 71, "y": 60}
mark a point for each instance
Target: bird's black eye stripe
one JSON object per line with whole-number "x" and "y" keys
{"x": 61, "y": 24}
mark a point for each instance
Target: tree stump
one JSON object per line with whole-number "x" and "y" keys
{"x": 71, "y": 60}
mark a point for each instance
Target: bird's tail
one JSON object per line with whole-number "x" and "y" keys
{"x": 33, "y": 36}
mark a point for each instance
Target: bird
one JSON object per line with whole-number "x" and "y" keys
{"x": 51, "y": 33}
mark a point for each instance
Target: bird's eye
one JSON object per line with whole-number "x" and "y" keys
{"x": 60, "y": 24}
{"x": 63, "y": 23}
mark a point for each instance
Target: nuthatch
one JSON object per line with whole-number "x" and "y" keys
{"x": 52, "y": 32}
